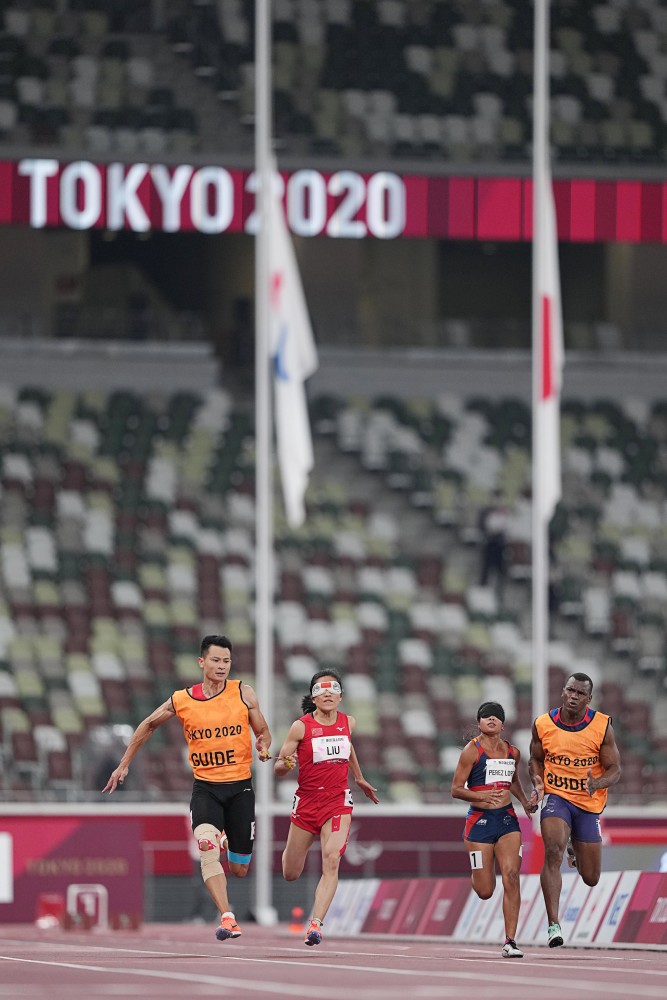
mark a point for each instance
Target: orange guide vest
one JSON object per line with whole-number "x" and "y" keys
{"x": 217, "y": 731}
{"x": 568, "y": 755}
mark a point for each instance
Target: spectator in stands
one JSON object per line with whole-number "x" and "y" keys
{"x": 217, "y": 715}
{"x": 320, "y": 742}
{"x": 486, "y": 777}
{"x": 493, "y": 524}
{"x": 574, "y": 759}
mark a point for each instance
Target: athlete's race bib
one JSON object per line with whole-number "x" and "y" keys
{"x": 500, "y": 771}
{"x": 330, "y": 748}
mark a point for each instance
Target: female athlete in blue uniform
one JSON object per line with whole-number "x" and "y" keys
{"x": 486, "y": 777}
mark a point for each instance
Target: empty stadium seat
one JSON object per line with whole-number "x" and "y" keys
{"x": 454, "y": 82}
{"x": 389, "y": 595}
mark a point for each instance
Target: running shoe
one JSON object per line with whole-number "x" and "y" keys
{"x": 510, "y": 949}
{"x": 314, "y": 933}
{"x": 571, "y": 856}
{"x": 555, "y": 936}
{"x": 224, "y": 843}
{"x": 228, "y": 929}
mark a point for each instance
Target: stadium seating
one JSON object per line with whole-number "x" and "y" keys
{"x": 126, "y": 532}
{"x": 417, "y": 79}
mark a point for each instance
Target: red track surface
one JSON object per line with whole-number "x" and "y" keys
{"x": 162, "y": 961}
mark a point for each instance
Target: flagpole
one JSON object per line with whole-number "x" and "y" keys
{"x": 540, "y": 526}
{"x": 265, "y": 913}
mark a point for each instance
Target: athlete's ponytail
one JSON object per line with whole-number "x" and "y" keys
{"x": 307, "y": 705}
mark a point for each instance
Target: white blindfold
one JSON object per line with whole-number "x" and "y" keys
{"x": 321, "y": 687}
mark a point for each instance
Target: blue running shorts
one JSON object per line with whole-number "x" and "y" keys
{"x": 585, "y": 826}
{"x": 486, "y": 826}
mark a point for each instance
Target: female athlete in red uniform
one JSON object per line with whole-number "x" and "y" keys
{"x": 485, "y": 775}
{"x": 320, "y": 743}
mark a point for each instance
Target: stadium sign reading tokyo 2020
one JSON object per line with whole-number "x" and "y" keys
{"x": 143, "y": 197}
{"x": 346, "y": 204}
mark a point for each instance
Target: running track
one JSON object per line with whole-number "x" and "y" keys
{"x": 164, "y": 961}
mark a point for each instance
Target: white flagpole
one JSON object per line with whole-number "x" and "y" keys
{"x": 540, "y": 527}
{"x": 265, "y": 913}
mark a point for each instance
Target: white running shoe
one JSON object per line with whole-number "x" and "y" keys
{"x": 555, "y": 936}
{"x": 510, "y": 949}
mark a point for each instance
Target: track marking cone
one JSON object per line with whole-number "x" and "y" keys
{"x": 296, "y": 923}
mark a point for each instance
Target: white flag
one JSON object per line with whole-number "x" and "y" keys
{"x": 550, "y": 346}
{"x": 295, "y": 358}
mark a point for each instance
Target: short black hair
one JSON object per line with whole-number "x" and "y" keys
{"x": 307, "y": 703}
{"x": 582, "y": 678}
{"x": 214, "y": 640}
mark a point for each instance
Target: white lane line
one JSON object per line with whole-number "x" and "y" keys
{"x": 225, "y": 982}
{"x": 472, "y": 976}
{"x": 288, "y": 956}
{"x": 403, "y": 952}
{"x": 586, "y": 986}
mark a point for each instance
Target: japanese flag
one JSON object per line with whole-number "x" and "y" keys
{"x": 550, "y": 346}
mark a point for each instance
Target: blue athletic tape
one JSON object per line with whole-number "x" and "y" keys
{"x": 239, "y": 859}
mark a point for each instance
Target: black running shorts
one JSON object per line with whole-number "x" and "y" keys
{"x": 228, "y": 806}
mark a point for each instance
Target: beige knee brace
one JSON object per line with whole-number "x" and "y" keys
{"x": 208, "y": 842}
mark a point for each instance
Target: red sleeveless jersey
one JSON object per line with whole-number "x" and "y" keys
{"x": 324, "y": 754}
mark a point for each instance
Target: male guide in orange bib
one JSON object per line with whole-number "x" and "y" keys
{"x": 574, "y": 760}
{"x": 569, "y": 755}
{"x": 217, "y": 732}
{"x": 219, "y": 716}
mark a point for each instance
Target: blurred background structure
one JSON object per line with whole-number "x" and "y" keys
{"x": 126, "y": 363}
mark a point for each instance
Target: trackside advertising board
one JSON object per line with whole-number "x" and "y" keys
{"x": 625, "y": 908}
{"x": 40, "y": 859}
